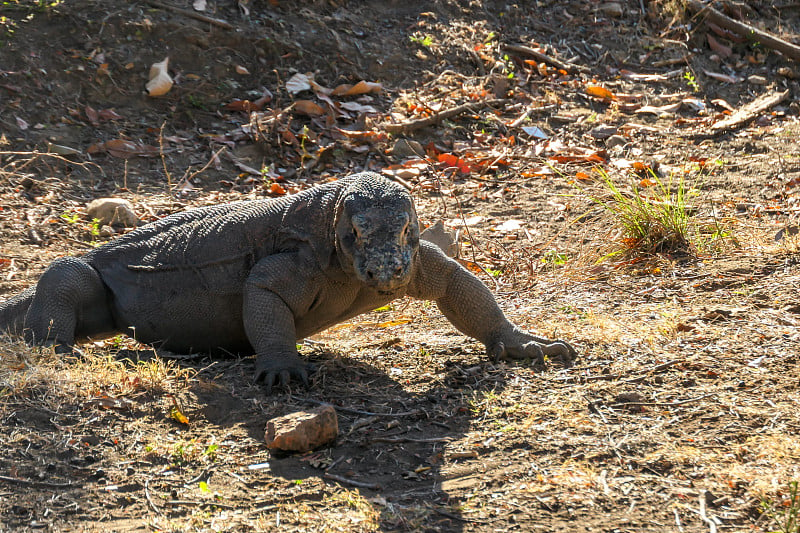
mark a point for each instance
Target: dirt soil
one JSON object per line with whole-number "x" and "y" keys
{"x": 682, "y": 412}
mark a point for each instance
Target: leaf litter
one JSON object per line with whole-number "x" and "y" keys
{"x": 681, "y": 413}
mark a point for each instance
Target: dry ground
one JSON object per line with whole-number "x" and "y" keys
{"x": 682, "y": 412}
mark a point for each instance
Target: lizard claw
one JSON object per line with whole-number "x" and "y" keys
{"x": 274, "y": 371}
{"x": 535, "y": 350}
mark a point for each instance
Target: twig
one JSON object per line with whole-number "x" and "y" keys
{"x": 353, "y": 482}
{"x": 528, "y": 111}
{"x": 201, "y": 503}
{"x": 662, "y": 404}
{"x": 745, "y": 30}
{"x": 150, "y": 500}
{"x": 413, "y": 125}
{"x": 354, "y": 411}
{"x": 750, "y": 111}
{"x": 544, "y": 58}
{"x": 205, "y": 474}
{"x": 33, "y": 483}
{"x": 191, "y": 14}
{"x": 397, "y": 440}
{"x": 657, "y": 368}
{"x": 712, "y": 526}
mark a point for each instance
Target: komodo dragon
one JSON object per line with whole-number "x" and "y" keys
{"x": 255, "y": 276}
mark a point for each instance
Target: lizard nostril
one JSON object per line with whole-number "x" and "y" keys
{"x": 370, "y": 274}
{"x": 398, "y": 273}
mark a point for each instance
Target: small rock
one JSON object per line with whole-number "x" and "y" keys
{"x": 603, "y": 131}
{"x": 113, "y": 212}
{"x": 406, "y": 148}
{"x": 106, "y": 232}
{"x": 616, "y": 140}
{"x": 302, "y": 431}
{"x": 612, "y": 9}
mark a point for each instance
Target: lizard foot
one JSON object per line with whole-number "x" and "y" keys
{"x": 274, "y": 370}
{"x": 534, "y": 350}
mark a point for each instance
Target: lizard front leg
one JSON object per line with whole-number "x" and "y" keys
{"x": 471, "y": 308}
{"x": 273, "y": 296}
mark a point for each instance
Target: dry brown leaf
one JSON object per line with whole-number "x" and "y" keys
{"x": 721, "y": 50}
{"x": 362, "y": 87}
{"x": 124, "y": 148}
{"x": 307, "y": 107}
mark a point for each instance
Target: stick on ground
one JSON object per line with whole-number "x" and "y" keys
{"x": 745, "y": 30}
{"x": 750, "y": 111}
{"x": 412, "y": 125}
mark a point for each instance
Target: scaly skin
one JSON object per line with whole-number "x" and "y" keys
{"x": 253, "y": 277}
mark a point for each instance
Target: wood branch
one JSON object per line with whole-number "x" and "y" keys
{"x": 544, "y": 58}
{"x": 745, "y": 30}
{"x": 661, "y": 404}
{"x": 749, "y": 111}
{"x": 190, "y": 14}
{"x": 413, "y": 125}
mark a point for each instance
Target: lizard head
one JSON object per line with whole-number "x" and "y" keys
{"x": 377, "y": 235}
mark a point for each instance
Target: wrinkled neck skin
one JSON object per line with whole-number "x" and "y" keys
{"x": 377, "y": 238}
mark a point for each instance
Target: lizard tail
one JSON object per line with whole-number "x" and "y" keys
{"x": 13, "y": 311}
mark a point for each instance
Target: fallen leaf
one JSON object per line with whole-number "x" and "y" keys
{"x": 599, "y": 92}
{"x": 176, "y": 414}
{"x": 298, "y": 83}
{"x": 245, "y": 106}
{"x": 109, "y": 114}
{"x": 160, "y": 81}
{"x": 369, "y": 135}
{"x": 510, "y": 225}
{"x": 642, "y": 77}
{"x": 661, "y": 111}
{"x": 468, "y": 221}
{"x": 92, "y": 115}
{"x": 277, "y": 189}
{"x": 396, "y": 322}
{"x": 359, "y": 108}
{"x": 241, "y": 70}
{"x": 536, "y": 132}
{"x": 307, "y": 107}
{"x": 722, "y": 77}
{"x": 124, "y": 148}
{"x": 723, "y": 51}
{"x": 362, "y": 87}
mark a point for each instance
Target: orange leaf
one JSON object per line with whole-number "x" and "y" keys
{"x": 362, "y": 87}
{"x": 396, "y": 322}
{"x": 599, "y": 92}
{"x": 307, "y": 107}
{"x": 367, "y": 135}
{"x": 276, "y": 189}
